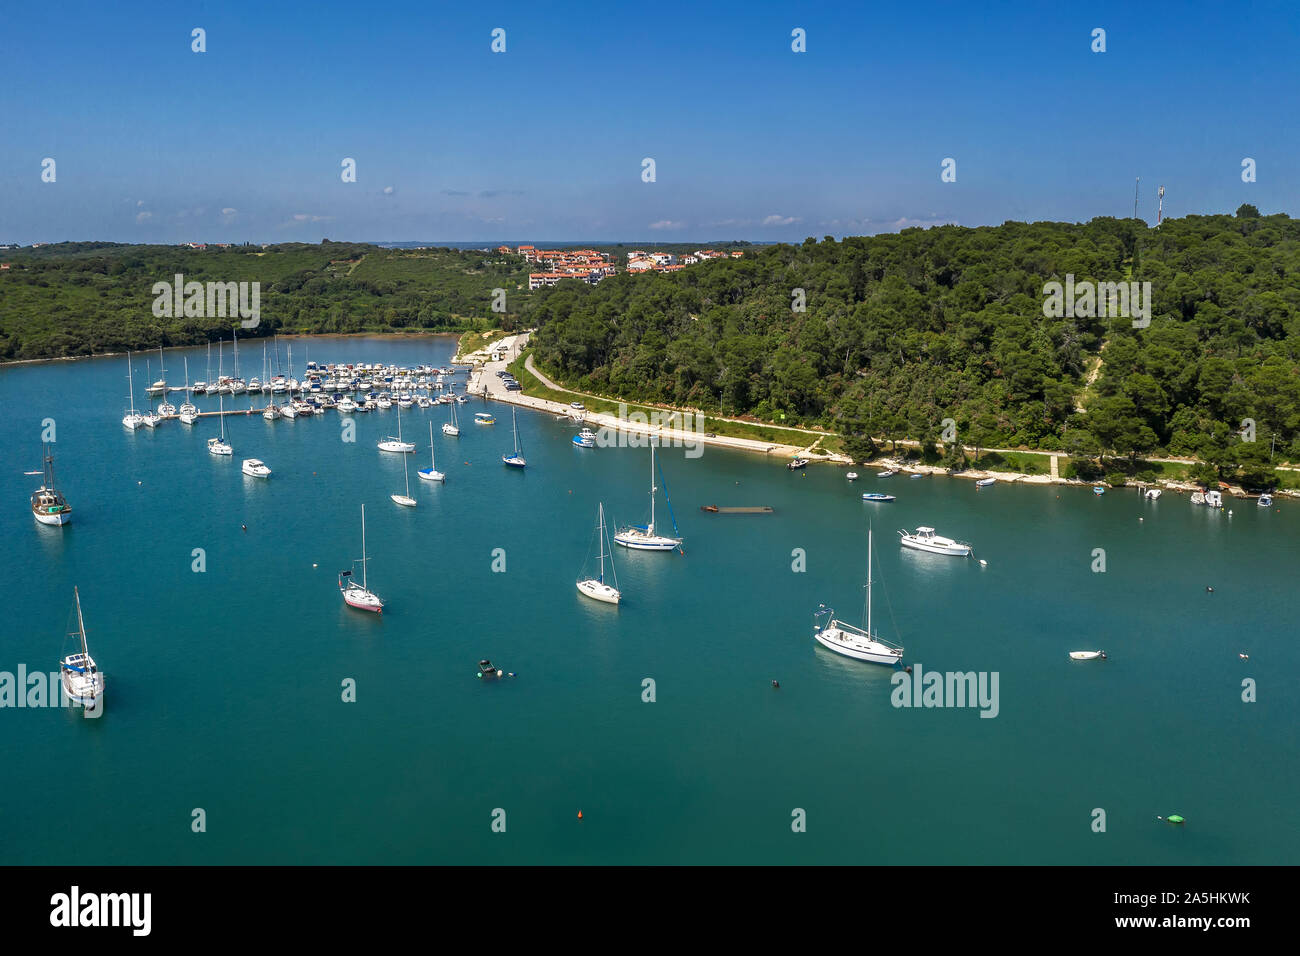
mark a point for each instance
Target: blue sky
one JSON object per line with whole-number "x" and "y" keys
{"x": 155, "y": 143}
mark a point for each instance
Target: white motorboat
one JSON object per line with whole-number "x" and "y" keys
{"x": 356, "y": 595}
{"x": 1087, "y": 655}
{"x": 255, "y": 468}
{"x": 985, "y": 482}
{"x": 516, "y": 459}
{"x": 397, "y": 445}
{"x": 924, "y": 539}
{"x": 289, "y": 410}
{"x": 585, "y": 438}
{"x": 855, "y": 642}
{"x": 1152, "y": 494}
{"x": 1214, "y": 499}
{"x": 82, "y": 680}
{"x": 431, "y": 473}
{"x": 887, "y": 473}
{"x": 852, "y": 476}
{"x": 49, "y": 507}
{"x": 1198, "y": 498}
{"x": 1265, "y": 501}
{"x": 643, "y": 538}
{"x": 596, "y": 588}
{"x": 346, "y": 405}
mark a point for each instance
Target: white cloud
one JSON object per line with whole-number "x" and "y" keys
{"x": 228, "y": 214}
{"x": 388, "y": 190}
{"x": 775, "y": 220}
{"x": 142, "y": 217}
{"x": 306, "y": 217}
{"x": 667, "y": 224}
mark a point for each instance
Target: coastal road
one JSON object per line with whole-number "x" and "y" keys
{"x": 484, "y": 381}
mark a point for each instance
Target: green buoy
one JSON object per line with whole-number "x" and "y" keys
{"x": 1172, "y": 818}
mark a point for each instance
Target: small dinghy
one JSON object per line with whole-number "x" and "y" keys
{"x": 1265, "y": 501}
{"x": 985, "y": 482}
{"x": 1152, "y": 493}
{"x": 852, "y": 476}
{"x": 877, "y": 496}
{"x": 1098, "y": 490}
{"x": 1087, "y": 655}
{"x": 797, "y": 464}
{"x": 887, "y": 473}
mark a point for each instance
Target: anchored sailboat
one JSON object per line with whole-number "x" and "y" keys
{"x": 82, "y": 680}
{"x": 515, "y": 460}
{"x": 219, "y": 446}
{"x": 431, "y": 473}
{"x": 356, "y": 595}
{"x": 854, "y": 641}
{"x": 396, "y": 444}
{"x": 451, "y": 428}
{"x": 640, "y": 538}
{"x": 131, "y": 419}
{"x": 406, "y": 501}
{"x": 189, "y": 411}
{"x": 48, "y": 504}
{"x": 596, "y": 588}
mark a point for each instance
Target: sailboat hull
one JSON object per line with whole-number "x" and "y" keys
{"x": 856, "y": 646}
{"x": 363, "y": 601}
{"x": 639, "y": 540}
{"x": 428, "y": 474}
{"x": 599, "y": 592}
{"x": 404, "y": 501}
{"x": 54, "y": 520}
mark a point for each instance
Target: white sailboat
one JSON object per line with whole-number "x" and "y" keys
{"x": 219, "y": 446}
{"x": 356, "y": 595}
{"x": 643, "y": 538}
{"x": 150, "y": 419}
{"x": 166, "y": 409}
{"x": 863, "y": 645}
{"x": 189, "y": 412}
{"x": 515, "y": 460}
{"x": 431, "y": 473}
{"x": 406, "y": 501}
{"x": 451, "y": 427}
{"x": 596, "y": 588}
{"x": 131, "y": 419}
{"x": 82, "y": 680}
{"x": 396, "y": 444}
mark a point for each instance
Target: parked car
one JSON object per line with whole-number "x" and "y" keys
{"x": 578, "y": 405}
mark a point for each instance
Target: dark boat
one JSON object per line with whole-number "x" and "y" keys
{"x": 485, "y": 669}
{"x": 747, "y": 510}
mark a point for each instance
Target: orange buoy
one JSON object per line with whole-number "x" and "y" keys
{"x": 579, "y": 814}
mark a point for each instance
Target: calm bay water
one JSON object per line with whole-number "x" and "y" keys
{"x": 223, "y": 687}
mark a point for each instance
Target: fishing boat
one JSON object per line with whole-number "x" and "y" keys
{"x": 405, "y": 500}
{"x": 596, "y": 588}
{"x": 48, "y": 504}
{"x": 484, "y": 418}
{"x": 1152, "y": 494}
{"x": 515, "y": 460}
{"x": 797, "y": 464}
{"x": 431, "y": 473}
{"x": 985, "y": 482}
{"x": 852, "y": 476}
{"x": 877, "y": 496}
{"x": 643, "y": 538}
{"x": 255, "y": 468}
{"x": 449, "y": 427}
{"x": 219, "y": 446}
{"x": 1265, "y": 501}
{"x": 1098, "y": 490}
{"x": 585, "y": 438}
{"x": 924, "y": 539}
{"x": 887, "y": 473}
{"x": 851, "y": 641}
{"x": 82, "y": 680}
{"x": 1087, "y": 655}
{"x": 1214, "y": 499}
{"x": 397, "y": 444}
{"x": 356, "y": 595}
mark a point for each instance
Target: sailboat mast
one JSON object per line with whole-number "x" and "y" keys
{"x": 652, "y": 487}
{"x": 187, "y": 378}
{"x": 81, "y": 625}
{"x": 868, "y": 582}
{"x": 365, "y": 585}
{"x": 130, "y": 383}
{"x": 602, "y": 542}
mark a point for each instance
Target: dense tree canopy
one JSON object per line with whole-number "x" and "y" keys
{"x": 903, "y": 331}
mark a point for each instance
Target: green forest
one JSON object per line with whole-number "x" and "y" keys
{"x": 82, "y": 298}
{"x": 900, "y": 332}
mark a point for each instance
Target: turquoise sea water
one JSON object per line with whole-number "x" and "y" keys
{"x": 223, "y": 687}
